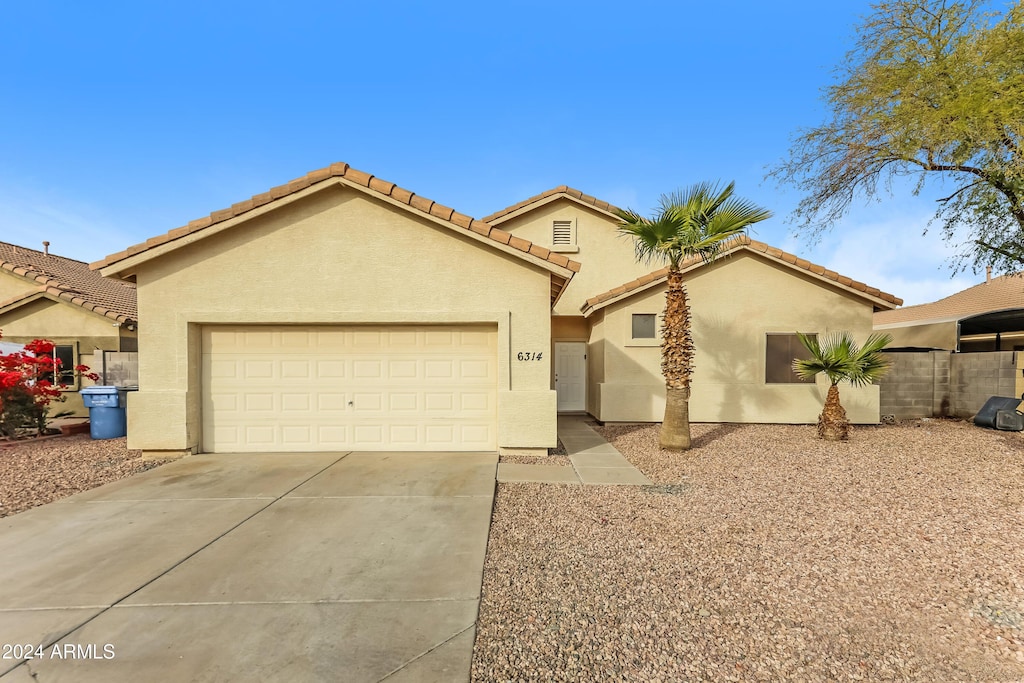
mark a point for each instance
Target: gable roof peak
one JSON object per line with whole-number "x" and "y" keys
{"x": 744, "y": 242}
{"x": 546, "y": 196}
{"x": 374, "y": 186}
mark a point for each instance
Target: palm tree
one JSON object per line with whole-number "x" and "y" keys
{"x": 841, "y": 360}
{"x": 688, "y": 224}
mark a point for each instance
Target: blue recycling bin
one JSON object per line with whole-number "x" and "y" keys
{"x": 107, "y": 416}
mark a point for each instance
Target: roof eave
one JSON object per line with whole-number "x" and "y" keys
{"x": 499, "y": 217}
{"x": 124, "y": 268}
{"x": 58, "y": 296}
{"x": 589, "y": 308}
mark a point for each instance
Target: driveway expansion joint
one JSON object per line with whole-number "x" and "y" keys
{"x": 106, "y": 608}
{"x": 427, "y": 652}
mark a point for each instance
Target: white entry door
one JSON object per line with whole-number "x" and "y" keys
{"x": 571, "y": 375}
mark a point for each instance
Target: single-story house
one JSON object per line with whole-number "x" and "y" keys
{"x": 986, "y": 317}
{"x": 45, "y": 296}
{"x": 745, "y": 309}
{"x": 342, "y": 312}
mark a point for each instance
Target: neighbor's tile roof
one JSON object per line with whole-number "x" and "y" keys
{"x": 70, "y": 281}
{"x": 560, "y": 190}
{"x": 745, "y": 242}
{"x": 374, "y": 184}
{"x": 1006, "y": 291}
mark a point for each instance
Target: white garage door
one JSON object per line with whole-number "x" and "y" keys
{"x": 422, "y": 388}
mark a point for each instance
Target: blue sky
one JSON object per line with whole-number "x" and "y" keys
{"x": 121, "y": 120}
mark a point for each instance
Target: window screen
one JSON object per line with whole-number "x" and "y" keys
{"x": 562, "y": 232}
{"x": 780, "y": 351}
{"x": 644, "y": 325}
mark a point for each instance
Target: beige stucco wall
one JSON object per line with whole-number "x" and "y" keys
{"x": 596, "y": 363}
{"x": 929, "y": 336}
{"x": 607, "y": 259}
{"x": 735, "y": 303}
{"x": 337, "y": 256}
{"x": 61, "y": 323}
{"x": 11, "y": 285}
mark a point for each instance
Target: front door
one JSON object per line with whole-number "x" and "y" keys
{"x": 571, "y": 375}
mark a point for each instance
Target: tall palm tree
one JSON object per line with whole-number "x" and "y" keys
{"x": 689, "y": 223}
{"x": 841, "y": 360}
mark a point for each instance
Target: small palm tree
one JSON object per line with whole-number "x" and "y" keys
{"x": 689, "y": 223}
{"x": 841, "y": 360}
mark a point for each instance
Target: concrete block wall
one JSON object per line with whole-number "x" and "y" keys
{"x": 975, "y": 377}
{"x": 916, "y": 386}
{"x": 941, "y": 383}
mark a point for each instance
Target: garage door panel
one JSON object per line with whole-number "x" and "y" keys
{"x": 333, "y": 436}
{"x": 403, "y": 434}
{"x": 260, "y": 435}
{"x": 403, "y": 402}
{"x": 438, "y": 369}
{"x": 331, "y": 402}
{"x": 354, "y": 388}
{"x": 296, "y": 435}
{"x": 403, "y": 369}
{"x": 295, "y": 403}
{"x": 296, "y": 369}
{"x": 367, "y": 403}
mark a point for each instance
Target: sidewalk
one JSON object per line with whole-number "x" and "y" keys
{"x": 594, "y": 460}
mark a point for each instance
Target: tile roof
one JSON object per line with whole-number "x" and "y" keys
{"x": 561, "y": 190}
{"x": 1000, "y": 293}
{"x": 71, "y": 281}
{"x": 745, "y": 243}
{"x": 372, "y": 184}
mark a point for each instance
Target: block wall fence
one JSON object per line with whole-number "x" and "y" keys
{"x": 945, "y": 384}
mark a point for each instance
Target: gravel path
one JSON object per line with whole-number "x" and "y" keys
{"x": 38, "y": 472}
{"x": 764, "y": 554}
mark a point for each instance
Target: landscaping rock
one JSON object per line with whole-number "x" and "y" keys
{"x": 897, "y": 555}
{"x": 41, "y": 471}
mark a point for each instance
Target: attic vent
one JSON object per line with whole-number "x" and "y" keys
{"x": 562, "y": 233}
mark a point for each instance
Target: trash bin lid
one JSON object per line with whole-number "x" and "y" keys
{"x": 99, "y": 389}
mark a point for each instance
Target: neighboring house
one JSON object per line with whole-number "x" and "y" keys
{"x": 340, "y": 311}
{"x": 986, "y": 317}
{"x": 745, "y": 308}
{"x": 45, "y": 296}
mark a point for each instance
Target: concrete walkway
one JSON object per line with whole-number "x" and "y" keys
{"x": 594, "y": 460}
{"x": 257, "y": 567}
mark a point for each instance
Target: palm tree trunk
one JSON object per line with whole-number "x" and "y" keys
{"x": 832, "y": 423}
{"x": 676, "y": 365}
{"x": 675, "y": 430}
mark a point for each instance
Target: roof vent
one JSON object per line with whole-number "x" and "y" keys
{"x": 46, "y": 247}
{"x": 988, "y": 274}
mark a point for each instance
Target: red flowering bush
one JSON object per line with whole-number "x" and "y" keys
{"x": 27, "y": 388}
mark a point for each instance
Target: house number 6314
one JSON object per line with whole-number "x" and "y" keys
{"x": 530, "y": 355}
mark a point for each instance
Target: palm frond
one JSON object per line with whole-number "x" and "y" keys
{"x": 690, "y": 222}
{"x": 840, "y": 358}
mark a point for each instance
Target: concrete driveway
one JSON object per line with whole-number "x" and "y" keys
{"x": 270, "y": 567}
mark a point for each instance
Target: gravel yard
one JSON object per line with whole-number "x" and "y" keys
{"x": 37, "y": 472}
{"x": 764, "y": 554}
